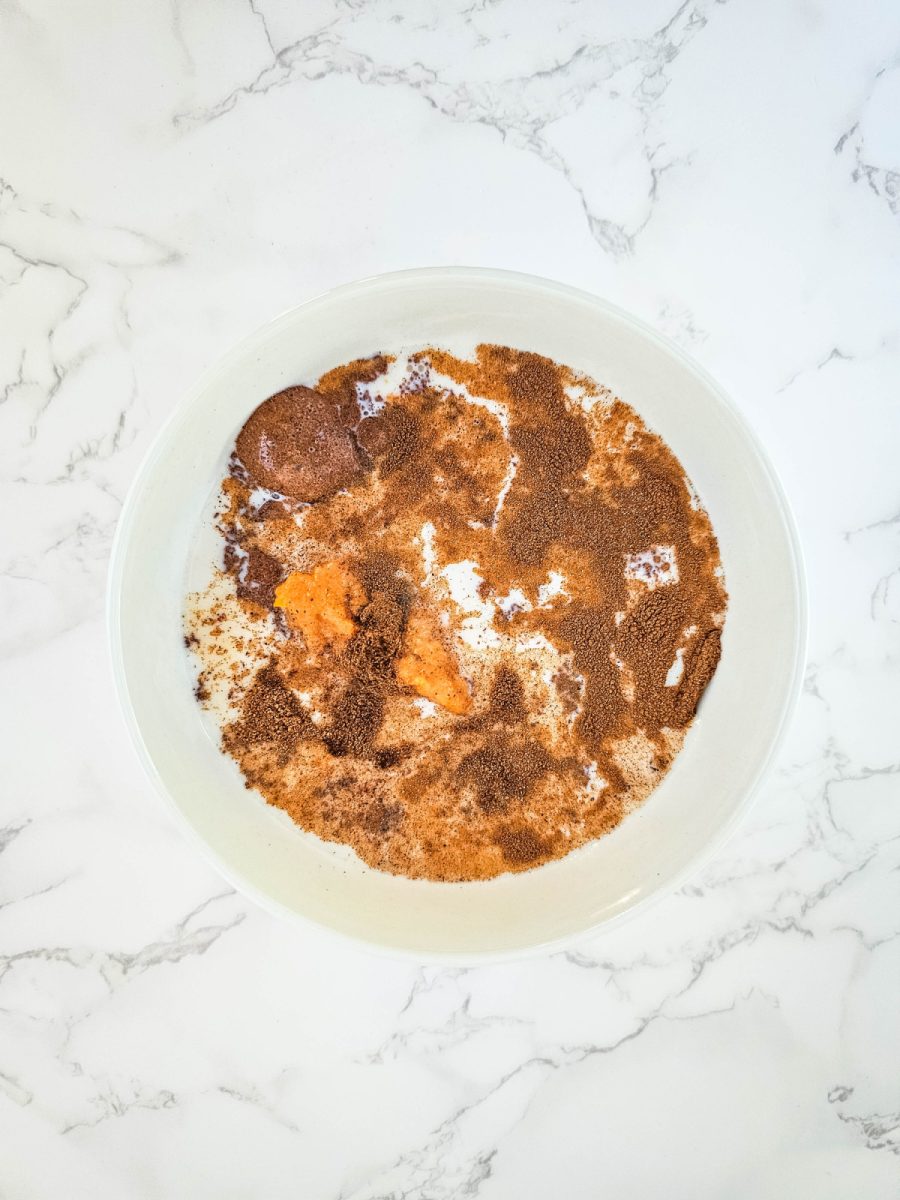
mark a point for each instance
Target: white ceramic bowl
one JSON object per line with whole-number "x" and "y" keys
{"x": 734, "y": 736}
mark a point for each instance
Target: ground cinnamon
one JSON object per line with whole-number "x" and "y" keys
{"x": 577, "y": 706}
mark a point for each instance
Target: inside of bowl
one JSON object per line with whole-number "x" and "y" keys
{"x": 727, "y": 748}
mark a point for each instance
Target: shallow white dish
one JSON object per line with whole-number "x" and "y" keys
{"x": 734, "y": 736}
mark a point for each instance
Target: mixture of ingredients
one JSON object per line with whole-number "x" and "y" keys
{"x": 464, "y": 613}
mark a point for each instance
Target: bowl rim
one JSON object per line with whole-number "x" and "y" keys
{"x": 244, "y": 347}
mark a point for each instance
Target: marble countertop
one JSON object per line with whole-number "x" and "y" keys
{"x": 175, "y": 174}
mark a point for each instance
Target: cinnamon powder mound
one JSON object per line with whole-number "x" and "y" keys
{"x": 558, "y": 547}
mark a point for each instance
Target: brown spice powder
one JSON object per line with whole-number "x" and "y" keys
{"x": 271, "y": 716}
{"x": 506, "y": 787}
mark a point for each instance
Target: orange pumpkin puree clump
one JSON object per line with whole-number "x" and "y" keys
{"x": 429, "y": 669}
{"x": 320, "y": 604}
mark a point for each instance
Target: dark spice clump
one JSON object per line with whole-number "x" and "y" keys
{"x": 604, "y": 708}
{"x": 503, "y": 770}
{"x": 389, "y": 756}
{"x": 507, "y": 699}
{"x": 256, "y": 573}
{"x": 389, "y": 439}
{"x": 698, "y": 672}
{"x": 271, "y": 715}
{"x": 520, "y": 846}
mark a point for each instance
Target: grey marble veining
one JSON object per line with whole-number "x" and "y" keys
{"x": 171, "y": 176}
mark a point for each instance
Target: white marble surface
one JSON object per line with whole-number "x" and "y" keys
{"x": 175, "y": 173}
